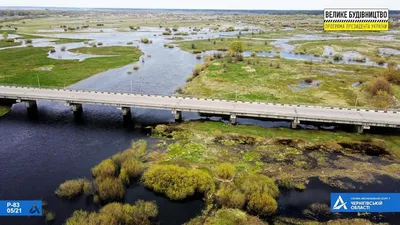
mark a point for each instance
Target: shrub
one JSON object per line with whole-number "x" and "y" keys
{"x": 197, "y": 70}
{"x": 253, "y": 54}
{"x": 53, "y": 50}
{"x": 110, "y": 188}
{"x": 193, "y": 46}
{"x": 50, "y": 216}
{"x": 217, "y": 55}
{"x": 129, "y": 72}
{"x": 132, "y": 167}
{"x": 392, "y": 74}
{"x": 100, "y": 43}
{"x": 140, "y": 213}
{"x": 63, "y": 48}
{"x": 86, "y": 42}
{"x": 135, "y": 67}
{"x": 9, "y": 40}
{"x": 70, "y": 188}
{"x": 262, "y": 204}
{"x": 166, "y": 33}
{"x": 170, "y": 46}
{"x": 129, "y": 43}
{"x": 145, "y": 40}
{"x": 197, "y": 52}
{"x": 94, "y": 45}
{"x": 106, "y": 168}
{"x": 29, "y": 41}
{"x": 231, "y": 197}
{"x": 236, "y": 46}
{"x": 239, "y": 57}
{"x": 337, "y": 57}
{"x": 256, "y": 183}
{"x": 380, "y": 84}
{"x": 381, "y": 61}
{"x": 198, "y": 56}
{"x": 382, "y": 99}
{"x": 177, "y": 182}
{"x": 225, "y": 171}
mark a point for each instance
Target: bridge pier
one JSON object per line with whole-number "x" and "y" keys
{"x": 126, "y": 111}
{"x": 178, "y": 115}
{"x": 233, "y": 119}
{"x": 294, "y": 123}
{"x": 77, "y": 108}
{"x": 31, "y": 105}
{"x": 360, "y": 128}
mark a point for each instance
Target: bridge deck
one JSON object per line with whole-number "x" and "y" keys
{"x": 257, "y": 110}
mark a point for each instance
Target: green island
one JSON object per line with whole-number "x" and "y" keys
{"x": 222, "y": 44}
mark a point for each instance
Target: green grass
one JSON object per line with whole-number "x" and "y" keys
{"x": 69, "y": 40}
{"x": 8, "y": 44}
{"x": 22, "y": 66}
{"x": 4, "y": 110}
{"x": 264, "y": 82}
{"x": 202, "y": 45}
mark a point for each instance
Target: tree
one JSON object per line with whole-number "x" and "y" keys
{"x": 236, "y": 47}
{"x": 5, "y": 35}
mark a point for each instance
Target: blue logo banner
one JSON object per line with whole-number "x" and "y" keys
{"x": 365, "y": 202}
{"x": 21, "y": 208}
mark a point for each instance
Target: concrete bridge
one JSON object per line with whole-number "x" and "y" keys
{"x": 361, "y": 118}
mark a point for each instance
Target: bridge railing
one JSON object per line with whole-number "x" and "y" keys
{"x": 237, "y": 98}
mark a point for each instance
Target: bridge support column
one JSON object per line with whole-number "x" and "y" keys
{"x": 31, "y": 105}
{"x": 360, "y": 128}
{"x": 77, "y": 108}
{"x": 126, "y": 111}
{"x": 294, "y": 123}
{"x": 233, "y": 119}
{"x": 178, "y": 115}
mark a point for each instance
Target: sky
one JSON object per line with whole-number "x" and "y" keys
{"x": 210, "y": 4}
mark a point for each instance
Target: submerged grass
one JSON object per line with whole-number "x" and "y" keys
{"x": 22, "y": 66}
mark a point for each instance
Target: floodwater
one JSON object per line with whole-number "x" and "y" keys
{"x": 40, "y": 151}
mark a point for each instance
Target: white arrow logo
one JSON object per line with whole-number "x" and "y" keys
{"x": 339, "y": 204}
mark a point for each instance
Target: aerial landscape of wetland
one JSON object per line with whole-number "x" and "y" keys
{"x": 97, "y": 165}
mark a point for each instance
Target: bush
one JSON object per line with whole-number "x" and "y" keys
{"x": 166, "y": 33}
{"x": 100, "y": 43}
{"x": 70, "y": 188}
{"x": 135, "y": 67}
{"x": 132, "y": 167}
{"x": 177, "y": 182}
{"x": 236, "y": 46}
{"x": 381, "y": 61}
{"x": 197, "y": 70}
{"x": 382, "y": 99}
{"x": 86, "y": 42}
{"x": 337, "y": 57}
{"x": 193, "y": 46}
{"x": 145, "y": 40}
{"x": 197, "y": 52}
{"x": 63, "y": 48}
{"x": 140, "y": 213}
{"x": 239, "y": 57}
{"x": 106, "y": 168}
{"x": 9, "y": 40}
{"x": 170, "y": 46}
{"x": 392, "y": 74}
{"x": 262, "y": 204}
{"x": 110, "y": 188}
{"x": 380, "y": 84}
{"x": 53, "y": 50}
{"x": 28, "y": 41}
{"x": 198, "y": 56}
{"x": 231, "y": 197}
{"x": 225, "y": 171}
{"x": 252, "y": 183}
{"x": 50, "y": 216}
{"x": 129, "y": 43}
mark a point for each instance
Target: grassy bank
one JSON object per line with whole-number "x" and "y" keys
{"x": 223, "y": 44}
{"x": 23, "y": 66}
{"x": 284, "y": 81}
{"x": 8, "y": 44}
{"x": 4, "y": 110}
